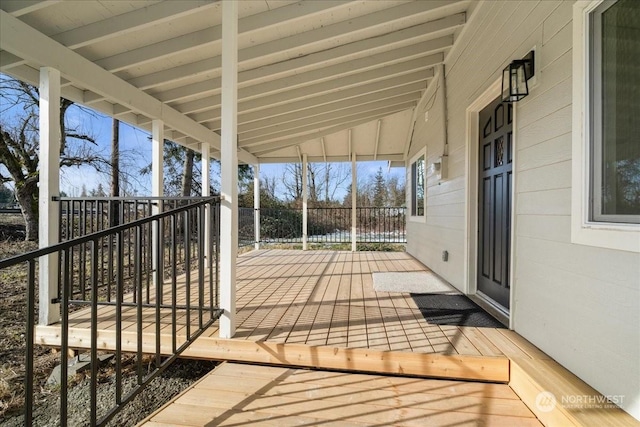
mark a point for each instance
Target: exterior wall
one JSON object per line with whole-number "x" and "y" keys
{"x": 580, "y": 304}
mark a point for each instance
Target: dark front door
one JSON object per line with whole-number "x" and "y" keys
{"x": 494, "y": 201}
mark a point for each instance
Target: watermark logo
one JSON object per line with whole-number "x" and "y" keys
{"x": 578, "y": 401}
{"x": 546, "y": 401}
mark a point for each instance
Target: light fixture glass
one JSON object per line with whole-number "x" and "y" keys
{"x": 515, "y": 77}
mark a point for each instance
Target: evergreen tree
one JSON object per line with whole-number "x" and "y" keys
{"x": 379, "y": 190}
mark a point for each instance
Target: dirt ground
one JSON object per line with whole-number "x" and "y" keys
{"x": 13, "y": 312}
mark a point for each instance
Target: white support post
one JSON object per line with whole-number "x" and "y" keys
{"x": 157, "y": 190}
{"x": 256, "y": 205}
{"x": 206, "y": 169}
{"x": 49, "y": 183}
{"x": 305, "y": 196}
{"x": 229, "y": 169}
{"x": 206, "y": 192}
{"x": 354, "y": 191}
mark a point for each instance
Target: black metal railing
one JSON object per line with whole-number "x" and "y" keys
{"x": 145, "y": 298}
{"x": 246, "y": 227}
{"x": 80, "y": 216}
{"x": 333, "y": 225}
{"x": 381, "y": 225}
{"x": 83, "y": 215}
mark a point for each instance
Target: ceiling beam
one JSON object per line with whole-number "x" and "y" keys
{"x": 299, "y": 153}
{"x": 7, "y": 59}
{"x": 22, "y": 7}
{"x": 432, "y": 90}
{"x": 127, "y": 23}
{"x": 377, "y": 141}
{"x": 32, "y": 76}
{"x": 22, "y": 40}
{"x": 259, "y": 145}
{"x": 212, "y": 36}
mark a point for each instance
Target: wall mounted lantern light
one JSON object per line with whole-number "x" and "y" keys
{"x": 515, "y": 77}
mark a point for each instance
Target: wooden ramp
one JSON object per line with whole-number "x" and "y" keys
{"x": 242, "y": 395}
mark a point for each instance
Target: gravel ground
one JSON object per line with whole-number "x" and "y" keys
{"x": 176, "y": 378}
{"x": 46, "y": 412}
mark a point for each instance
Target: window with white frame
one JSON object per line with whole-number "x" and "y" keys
{"x": 605, "y": 191}
{"x": 418, "y": 186}
{"x": 614, "y": 113}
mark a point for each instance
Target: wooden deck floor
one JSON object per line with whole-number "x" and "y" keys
{"x": 235, "y": 394}
{"x": 318, "y": 309}
{"x": 323, "y": 298}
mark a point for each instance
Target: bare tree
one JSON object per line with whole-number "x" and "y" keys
{"x": 292, "y": 181}
{"x": 337, "y": 176}
{"x": 323, "y": 178}
{"x": 397, "y": 193}
{"x": 115, "y": 171}
{"x": 19, "y": 145}
{"x": 115, "y": 158}
{"x": 187, "y": 172}
{"x": 270, "y": 186}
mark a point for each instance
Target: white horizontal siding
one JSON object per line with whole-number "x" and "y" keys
{"x": 552, "y": 176}
{"x": 547, "y": 227}
{"x": 580, "y": 304}
{"x": 555, "y": 150}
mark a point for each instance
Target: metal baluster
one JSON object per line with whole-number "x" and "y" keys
{"x": 138, "y": 280}
{"x": 174, "y": 285}
{"x": 64, "y": 335}
{"x": 119, "y": 297}
{"x": 200, "y": 219}
{"x": 94, "y": 333}
{"x": 29, "y": 353}
{"x": 158, "y": 273}
{"x": 210, "y": 256}
{"x": 217, "y": 266}
{"x": 187, "y": 266}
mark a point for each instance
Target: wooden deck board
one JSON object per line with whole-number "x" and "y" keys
{"x": 266, "y": 395}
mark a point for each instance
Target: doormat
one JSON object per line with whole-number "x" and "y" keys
{"x": 416, "y": 282}
{"x": 454, "y": 310}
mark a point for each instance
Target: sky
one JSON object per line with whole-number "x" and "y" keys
{"x": 135, "y": 148}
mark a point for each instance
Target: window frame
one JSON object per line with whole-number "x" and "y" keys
{"x": 417, "y": 218}
{"x": 596, "y": 142}
{"x": 585, "y": 229}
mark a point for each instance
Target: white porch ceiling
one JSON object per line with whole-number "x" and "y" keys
{"x": 315, "y": 77}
